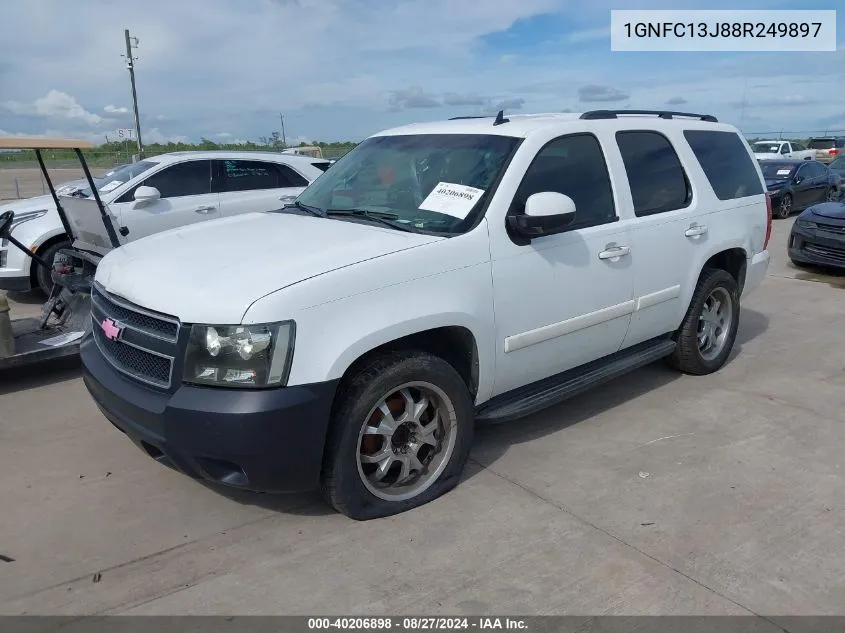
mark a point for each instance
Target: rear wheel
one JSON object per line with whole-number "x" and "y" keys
{"x": 42, "y": 276}
{"x": 832, "y": 195}
{"x": 400, "y": 435}
{"x": 785, "y": 207}
{"x": 708, "y": 331}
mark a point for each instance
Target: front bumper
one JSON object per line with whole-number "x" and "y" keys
{"x": 817, "y": 246}
{"x": 268, "y": 440}
{"x": 14, "y": 268}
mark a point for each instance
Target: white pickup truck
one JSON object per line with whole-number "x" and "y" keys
{"x": 765, "y": 150}
{"x": 437, "y": 274}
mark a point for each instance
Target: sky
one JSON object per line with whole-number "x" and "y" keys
{"x": 344, "y": 69}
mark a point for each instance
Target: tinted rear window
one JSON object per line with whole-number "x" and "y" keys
{"x": 822, "y": 143}
{"x": 724, "y": 158}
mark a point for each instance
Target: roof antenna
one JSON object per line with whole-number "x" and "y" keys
{"x": 500, "y": 118}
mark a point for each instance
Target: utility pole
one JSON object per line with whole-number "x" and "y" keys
{"x": 284, "y": 140}
{"x": 130, "y": 64}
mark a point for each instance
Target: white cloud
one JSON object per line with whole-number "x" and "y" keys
{"x": 601, "y": 93}
{"x": 155, "y": 136}
{"x": 223, "y": 135}
{"x": 55, "y": 104}
{"x": 115, "y": 110}
{"x": 588, "y": 35}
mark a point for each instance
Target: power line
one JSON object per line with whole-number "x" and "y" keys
{"x": 827, "y": 131}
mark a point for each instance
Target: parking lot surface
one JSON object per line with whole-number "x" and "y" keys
{"x": 655, "y": 494}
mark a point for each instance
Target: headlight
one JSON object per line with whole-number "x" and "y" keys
{"x": 240, "y": 355}
{"x": 806, "y": 224}
{"x": 26, "y": 216}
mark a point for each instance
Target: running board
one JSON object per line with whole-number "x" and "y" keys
{"x": 550, "y": 391}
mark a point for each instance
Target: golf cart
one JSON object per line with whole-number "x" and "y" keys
{"x": 65, "y": 317}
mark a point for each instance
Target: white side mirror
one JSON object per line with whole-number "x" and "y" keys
{"x": 147, "y": 194}
{"x": 549, "y": 203}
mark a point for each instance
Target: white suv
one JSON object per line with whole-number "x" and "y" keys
{"x": 438, "y": 274}
{"x": 186, "y": 187}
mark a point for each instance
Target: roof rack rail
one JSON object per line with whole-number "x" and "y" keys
{"x": 483, "y": 116}
{"x": 663, "y": 114}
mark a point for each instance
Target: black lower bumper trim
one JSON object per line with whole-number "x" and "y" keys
{"x": 268, "y": 440}
{"x": 15, "y": 284}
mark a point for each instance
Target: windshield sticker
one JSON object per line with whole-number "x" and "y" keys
{"x": 451, "y": 199}
{"x": 783, "y": 172}
{"x": 114, "y": 184}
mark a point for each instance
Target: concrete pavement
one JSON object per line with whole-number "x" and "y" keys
{"x": 655, "y": 494}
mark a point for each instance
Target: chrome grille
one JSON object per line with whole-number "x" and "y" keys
{"x": 145, "y": 344}
{"x": 131, "y": 316}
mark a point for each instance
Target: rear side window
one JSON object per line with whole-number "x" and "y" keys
{"x": 657, "y": 179}
{"x": 726, "y": 163}
{"x": 321, "y": 166}
{"x": 250, "y": 175}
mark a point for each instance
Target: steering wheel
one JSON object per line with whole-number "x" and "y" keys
{"x": 6, "y": 220}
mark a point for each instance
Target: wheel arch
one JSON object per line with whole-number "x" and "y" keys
{"x": 456, "y": 344}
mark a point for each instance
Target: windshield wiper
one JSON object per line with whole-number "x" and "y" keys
{"x": 387, "y": 219}
{"x": 316, "y": 211}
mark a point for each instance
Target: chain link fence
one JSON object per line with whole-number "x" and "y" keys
{"x": 21, "y": 177}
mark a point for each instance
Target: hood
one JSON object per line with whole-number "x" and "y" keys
{"x": 833, "y": 210}
{"x": 30, "y": 204}
{"x": 212, "y": 272}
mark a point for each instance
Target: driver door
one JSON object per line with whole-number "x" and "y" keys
{"x": 186, "y": 198}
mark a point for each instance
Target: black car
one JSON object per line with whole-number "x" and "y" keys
{"x": 818, "y": 236}
{"x": 838, "y": 166}
{"x": 797, "y": 184}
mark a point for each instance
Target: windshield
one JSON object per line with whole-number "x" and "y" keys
{"x": 766, "y": 148}
{"x": 426, "y": 182}
{"x": 117, "y": 177}
{"x": 776, "y": 171}
{"x": 822, "y": 143}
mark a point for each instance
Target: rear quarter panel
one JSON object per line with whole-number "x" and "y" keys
{"x": 736, "y": 223}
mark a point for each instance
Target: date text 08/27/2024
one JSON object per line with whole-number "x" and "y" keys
{"x": 416, "y": 623}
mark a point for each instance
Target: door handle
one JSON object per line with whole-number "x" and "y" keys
{"x": 614, "y": 252}
{"x": 695, "y": 229}
{"x": 205, "y": 210}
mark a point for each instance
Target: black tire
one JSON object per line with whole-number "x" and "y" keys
{"x": 784, "y": 209}
{"x": 341, "y": 481}
{"x": 832, "y": 195}
{"x": 687, "y": 356}
{"x": 43, "y": 280}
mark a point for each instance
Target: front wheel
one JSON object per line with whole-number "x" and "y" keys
{"x": 832, "y": 195}
{"x": 43, "y": 277}
{"x": 708, "y": 331}
{"x": 400, "y": 435}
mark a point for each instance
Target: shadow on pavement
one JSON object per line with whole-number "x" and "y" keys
{"x": 300, "y": 504}
{"x": 495, "y": 439}
{"x": 39, "y": 375}
{"x": 30, "y": 298}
